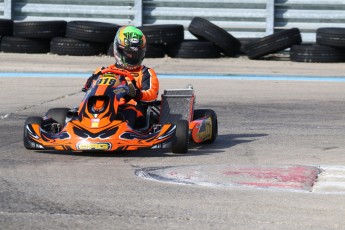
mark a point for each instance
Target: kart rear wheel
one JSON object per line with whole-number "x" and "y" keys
{"x": 58, "y": 114}
{"x": 180, "y": 142}
{"x": 29, "y": 121}
{"x": 200, "y": 113}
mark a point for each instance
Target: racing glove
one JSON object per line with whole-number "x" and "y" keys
{"x": 134, "y": 92}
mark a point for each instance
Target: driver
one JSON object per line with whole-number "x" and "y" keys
{"x": 129, "y": 52}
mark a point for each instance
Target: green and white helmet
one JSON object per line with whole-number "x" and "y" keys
{"x": 129, "y": 47}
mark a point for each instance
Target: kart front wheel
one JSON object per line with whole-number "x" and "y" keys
{"x": 180, "y": 142}
{"x": 29, "y": 121}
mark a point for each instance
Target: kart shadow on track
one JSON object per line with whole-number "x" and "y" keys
{"x": 224, "y": 141}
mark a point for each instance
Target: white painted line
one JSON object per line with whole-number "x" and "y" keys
{"x": 331, "y": 180}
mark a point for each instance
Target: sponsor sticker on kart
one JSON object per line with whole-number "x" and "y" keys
{"x": 93, "y": 146}
{"x": 205, "y": 130}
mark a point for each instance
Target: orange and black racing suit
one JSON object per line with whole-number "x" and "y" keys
{"x": 146, "y": 82}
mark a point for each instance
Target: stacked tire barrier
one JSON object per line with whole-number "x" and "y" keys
{"x": 329, "y": 47}
{"x": 31, "y": 37}
{"x": 88, "y": 38}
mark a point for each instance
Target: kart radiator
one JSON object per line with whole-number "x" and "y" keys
{"x": 177, "y": 104}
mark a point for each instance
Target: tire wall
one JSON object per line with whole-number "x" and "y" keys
{"x": 244, "y": 26}
{"x": 243, "y": 19}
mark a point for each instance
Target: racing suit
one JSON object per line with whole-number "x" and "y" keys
{"x": 147, "y": 87}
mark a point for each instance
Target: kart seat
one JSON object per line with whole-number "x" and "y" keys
{"x": 151, "y": 116}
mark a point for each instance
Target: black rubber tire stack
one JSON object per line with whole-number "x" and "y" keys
{"x": 155, "y": 50}
{"x": 159, "y": 36}
{"x": 39, "y": 29}
{"x": 206, "y": 30}
{"x": 163, "y": 34}
{"x": 89, "y": 38}
{"x": 329, "y": 47}
{"x": 334, "y": 37}
{"x": 316, "y": 53}
{"x": 6, "y": 27}
{"x": 101, "y": 32}
{"x": 84, "y": 38}
{"x": 11, "y": 44}
{"x": 110, "y": 49}
{"x": 193, "y": 49}
{"x": 75, "y": 47}
{"x": 32, "y": 37}
{"x": 273, "y": 43}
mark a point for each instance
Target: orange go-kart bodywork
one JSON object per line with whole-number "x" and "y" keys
{"x": 97, "y": 124}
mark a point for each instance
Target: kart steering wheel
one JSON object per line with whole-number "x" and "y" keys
{"x": 128, "y": 77}
{"x": 124, "y": 73}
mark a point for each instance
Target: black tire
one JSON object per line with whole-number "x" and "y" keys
{"x": 92, "y": 31}
{"x": 40, "y": 29}
{"x": 155, "y": 51}
{"x": 273, "y": 43}
{"x": 316, "y": 53}
{"x": 205, "y": 30}
{"x": 6, "y": 27}
{"x": 200, "y": 113}
{"x": 180, "y": 142}
{"x": 110, "y": 49}
{"x": 30, "y": 120}
{"x": 74, "y": 47}
{"x": 23, "y": 45}
{"x": 244, "y": 42}
{"x": 163, "y": 34}
{"x": 334, "y": 37}
{"x": 193, "y": 49}
{"x": 58, "y": 114}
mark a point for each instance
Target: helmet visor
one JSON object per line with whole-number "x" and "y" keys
{"x": 132, "y": 56}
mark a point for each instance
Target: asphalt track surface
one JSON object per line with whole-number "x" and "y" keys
{"x": 264, "y": 126}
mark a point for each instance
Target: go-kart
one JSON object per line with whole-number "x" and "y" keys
{"x": 97, "y": 124}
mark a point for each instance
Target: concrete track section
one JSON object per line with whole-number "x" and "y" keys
{"x": 290, "y": 131}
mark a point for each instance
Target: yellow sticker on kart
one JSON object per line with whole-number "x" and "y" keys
{"x": 206, "y": 130}
{"x": 93, "y": 146}
{"x": 107, "y": 80}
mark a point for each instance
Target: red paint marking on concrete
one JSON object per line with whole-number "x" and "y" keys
{"x": 294, "y": 177}
{"x": 282, "y": 177}
{"x": 272, "y": 185}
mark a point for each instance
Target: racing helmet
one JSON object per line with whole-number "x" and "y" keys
{"x": 129, "y": 47}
